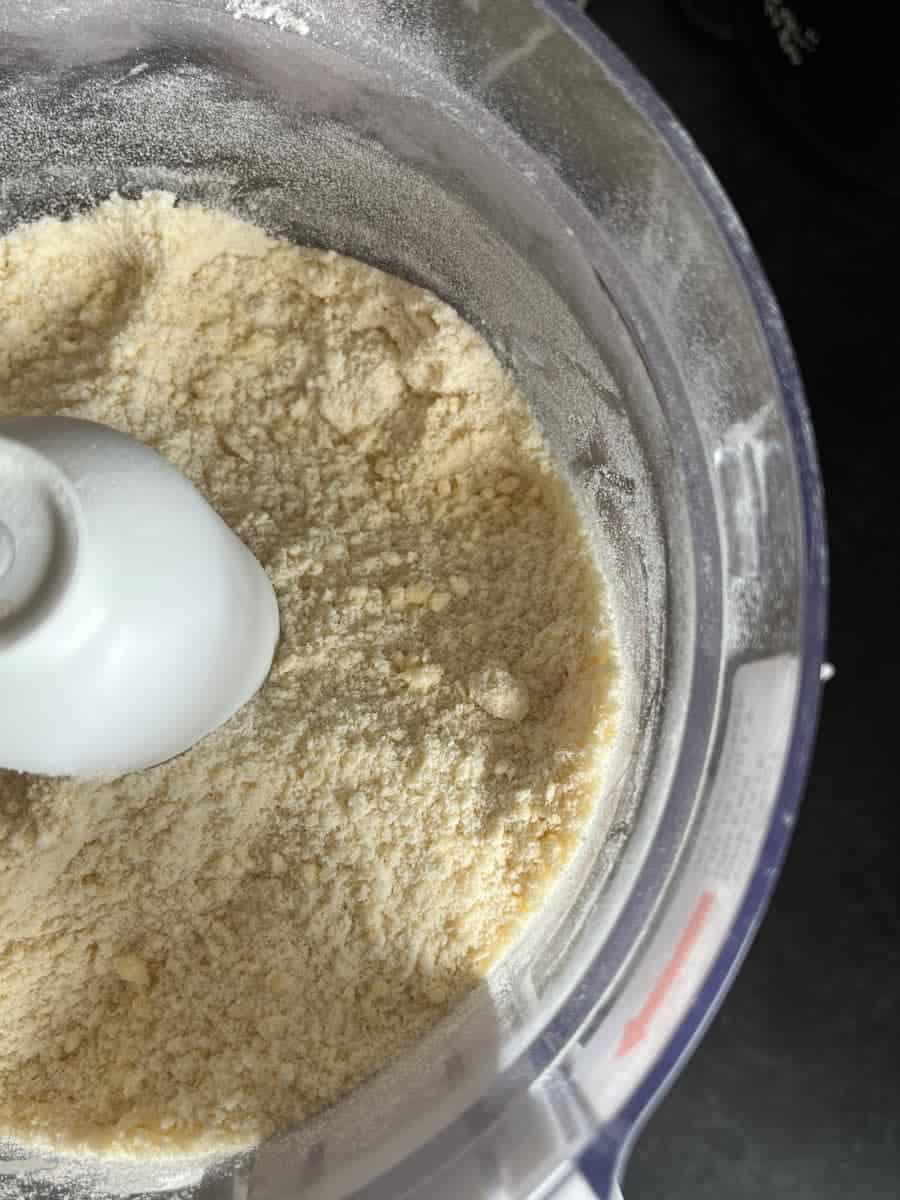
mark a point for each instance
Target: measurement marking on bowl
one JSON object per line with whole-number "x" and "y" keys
{"x": 636, "y": 1029}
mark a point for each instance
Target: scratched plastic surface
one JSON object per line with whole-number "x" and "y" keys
{"x": 516, "y": 164}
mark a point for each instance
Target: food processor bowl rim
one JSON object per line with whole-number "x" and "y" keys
{"x": 614, "y": 1143}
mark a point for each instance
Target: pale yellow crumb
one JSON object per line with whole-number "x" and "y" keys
{"x": 204, "y": 952}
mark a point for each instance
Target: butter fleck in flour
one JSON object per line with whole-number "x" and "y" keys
{"x": 220, "y": 946}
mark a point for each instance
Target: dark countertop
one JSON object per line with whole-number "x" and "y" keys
{"x": 795, "y": 1091}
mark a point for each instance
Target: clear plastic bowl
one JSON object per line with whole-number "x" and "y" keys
{"x": 505, "y": 155}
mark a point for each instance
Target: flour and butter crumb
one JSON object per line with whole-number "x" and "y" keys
{"x": 203, "y": 952}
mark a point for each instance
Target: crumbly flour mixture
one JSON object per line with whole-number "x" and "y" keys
{"x": 220, "y": 946}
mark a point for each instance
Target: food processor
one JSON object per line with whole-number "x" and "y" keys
{"x": 505, "y": 155}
